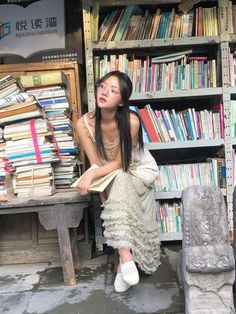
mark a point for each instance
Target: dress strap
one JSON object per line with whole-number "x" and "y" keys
{"x": 88, "y": 127}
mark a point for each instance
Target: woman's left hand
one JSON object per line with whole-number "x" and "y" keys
{"x": 85, "y": 182}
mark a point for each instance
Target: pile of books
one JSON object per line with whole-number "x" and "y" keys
{"x": 3, "y": 189}
{"x": 36, "y": 135}
{"x": 26, "y": 152}
{"x": 1, "y": 135}
{"x": 11, "y": 112}
{"x": 8, "y": 87}
{"x": 52, "y": 95}
{"x": 34, "y": 179}
{"x": 28, "y": 143}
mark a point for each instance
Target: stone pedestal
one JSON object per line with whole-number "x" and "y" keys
{"x": 208, "y": 266}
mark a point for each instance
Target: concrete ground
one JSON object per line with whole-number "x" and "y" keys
{"x": 39, "y": 288}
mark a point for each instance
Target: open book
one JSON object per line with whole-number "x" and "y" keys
{"x": 100, "y": 184}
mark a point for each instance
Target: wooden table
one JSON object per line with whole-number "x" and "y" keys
{"x": 60, "y": 211}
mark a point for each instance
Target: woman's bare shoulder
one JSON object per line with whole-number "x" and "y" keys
{"x": 88, "y": 117}
{"x": 86, "y": 125}
{"x": 134, "y": 120}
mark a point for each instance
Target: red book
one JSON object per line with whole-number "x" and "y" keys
{"x": 149, "y": 125}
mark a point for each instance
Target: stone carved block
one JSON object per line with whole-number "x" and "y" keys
{"x": 207, "y": 261}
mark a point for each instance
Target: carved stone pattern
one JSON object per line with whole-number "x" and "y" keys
{"x": 205, "y": 216}
{"x": 211, "y": 263}
{"x": 208, "y": 265}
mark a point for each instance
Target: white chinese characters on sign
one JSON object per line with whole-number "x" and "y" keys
{"x": 39, "y": 26}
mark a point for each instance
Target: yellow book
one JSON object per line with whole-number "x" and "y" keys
{"x": 100, "y": 184}
{"x": 43, "y": 79}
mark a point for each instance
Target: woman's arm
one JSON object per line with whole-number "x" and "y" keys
{"x": 94, "y": 158}
{"x": 87, "y": 144}
{"x": 134, "y": 125}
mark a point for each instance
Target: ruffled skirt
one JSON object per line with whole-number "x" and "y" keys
{"x": 129, "y": 219}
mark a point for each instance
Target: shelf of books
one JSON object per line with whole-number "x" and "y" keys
{"x": 182, "y": 66}
{"x": 38, "y": 147}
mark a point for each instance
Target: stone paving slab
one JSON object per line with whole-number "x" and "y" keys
{"x": 39, "y": 289}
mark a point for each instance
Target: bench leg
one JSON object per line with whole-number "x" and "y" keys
{"x": 65, "y": 245}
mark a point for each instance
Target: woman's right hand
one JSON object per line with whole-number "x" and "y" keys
{"x": 85, "y": 182}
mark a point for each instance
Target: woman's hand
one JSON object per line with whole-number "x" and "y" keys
{"x": 85, "y": 182}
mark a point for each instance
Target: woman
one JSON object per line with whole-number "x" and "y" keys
{"x": 112, "y": 139}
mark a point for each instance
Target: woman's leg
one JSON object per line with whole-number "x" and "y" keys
{"x": 125, "y": 255}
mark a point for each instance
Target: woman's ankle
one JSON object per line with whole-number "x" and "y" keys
{"x": 118, "y": 268}
{"x": 125, "y": 255}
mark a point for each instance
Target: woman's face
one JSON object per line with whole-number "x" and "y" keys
{"x": 108, "y": 93}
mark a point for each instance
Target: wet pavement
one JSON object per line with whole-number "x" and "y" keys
{"x": 39, "y": 288}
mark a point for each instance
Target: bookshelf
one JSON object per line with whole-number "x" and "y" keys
{"x": 218, "y": 46}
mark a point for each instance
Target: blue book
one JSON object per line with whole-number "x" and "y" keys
{"x": 174, "y": 123}
{"x": 161, "y": 25}
{"x": 166, "y": 24}
{"x": 48, "y": 151}
{"x": 191, "y": 126}
{"x": 46, "y": 102}
{"x": 71, "y": 150}
{"x": 179, "y": 123}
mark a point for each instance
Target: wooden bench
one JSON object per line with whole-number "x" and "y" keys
{"x": 61, "y": 211}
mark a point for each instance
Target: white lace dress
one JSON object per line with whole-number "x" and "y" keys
{"x": 129, "y": 213}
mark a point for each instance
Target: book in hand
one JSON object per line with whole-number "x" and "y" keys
{"x": 100, "y": 184}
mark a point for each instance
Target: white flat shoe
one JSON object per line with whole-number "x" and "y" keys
{"x": 129, "y": 273}
{"x": 119, "y": 284}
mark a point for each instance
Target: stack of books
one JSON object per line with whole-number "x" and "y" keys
{"x": 9, "y": 87}
{"x": 27, "y": 152}
{"x": 52, "y": 95}
{"x": 29, "y": 141}
{"x": 3, "y": 189}
{"x": 1, "y": 135}
{"x": 20, "y": 111}
{"x": 34, "y": 179}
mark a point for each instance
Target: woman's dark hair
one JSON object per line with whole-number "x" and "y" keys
{"x": 122, "y": 119}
